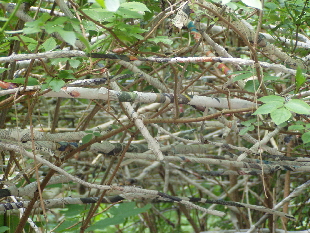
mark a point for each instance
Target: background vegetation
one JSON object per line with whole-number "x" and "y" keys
{"x": 154, "y": 116}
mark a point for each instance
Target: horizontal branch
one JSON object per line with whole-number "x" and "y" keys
{"x": 141, "y": 97}
{"x": 77, "y": 53}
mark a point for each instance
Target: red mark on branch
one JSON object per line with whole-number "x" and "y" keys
{"x": 223, "y": 68}
{"x": 132, "y": 58}
{"x": 75, "y": 94}
{"x": 6, "y": 85}
{"x": 119, "y": 50}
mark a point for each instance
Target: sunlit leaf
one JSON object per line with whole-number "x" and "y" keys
{"x": 299, "y": 79}
{"x": 253, "y": 3}
{"x": 298, "y": 106}
{"x": 68, "y": 36}
{"x": 87, "y": 138}
{"x": 135, "y": 6}
{"x": 101, "y": 3}
{"x": 280, "y": 115}
{"x": 296, "y": 127}
{"x": 271, "y": 98}
{"x": 306, "y": 137}
{"x": 163, "y": 39}
{"x": 268, "y": 108}
{"x": 49, "y": 44}
{"x": 242, "y": 76}
{"x": 56, "y": 84}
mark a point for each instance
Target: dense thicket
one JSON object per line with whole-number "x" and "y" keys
{"x": 154, "y": 116}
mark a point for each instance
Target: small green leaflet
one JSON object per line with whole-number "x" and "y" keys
{"x": 31, "y": 81}
{"x": 4, "y": 228}
{"x": 280, "y": 115}
{"x": 298, "y": 106}
{"x": 242, "y": 76}
{"x": 163, "y": 39}
{"x": 306, "y": 137}
{"x": 56, "y": 84}
{"x": 66, "y": 74}
{"x": 299, "y": 79}
{"x": 68, "y": 36}
{"x": 101, "y": 3}
{"x": 87, "y": 138}
{"x": 2, "y": 70}
{"x": 49, "y": 44}
{"x": 268, "y": 108}
{"x": 74, "y": 64}
{"x": 271, "y": 98}
{"x": 296, "y": 127}
{"x": 135, "y": 6}
{"x": 123, "y": 211}
{"x": 246, "y": 129}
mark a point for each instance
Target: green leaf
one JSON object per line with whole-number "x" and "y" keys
{"x": 4, "y": 229}
{"x": 49, "y": 44}
{"x": 53, "y": 29}
{"x": 253, "y": 3}
{"x": 66, "y": 226}
{"x": 47, "y": 82}
{"x": 25, "y": 39}
{"x": 84, "y": 41}
{"x": 35, "y": 26}
{"x": 2, "y": 70}
{"x": 72, "y": 211}
{"x": 74, "y": 64}
{"x": 135, "y": 6}
{"x": 123, "y": 211}
{"x": 271, "y": 5}
{"x": 242, "y": 76}
{"x": 248, "y": 122}
{"x": 56, "y": 84}
{"x": 268, "y": 108}
{"x": 305, "y": 137}
{"x": 271, "y": 98}
{"x": 299, "y": 79}
{"x": 101, "y": 3}
{"x": 105, "y": 223}
{"x": 270, "y": 78}
{"x": 66, "y": 74}
{"x": 59, "y": 20}
{"x": 87, "y": 138}
{"x": 56, "y": 61}
{"x": 162, "y": 39}
{"x": 31, "y": 30}
{"x": 246, "y": 129}
{"x": 296, "y": 127}
{"x": 251, "y": 85}
{"x": 31, "y": 81}
{"x": 125, "y": 13}
{"x": 68, "y": 36}
{"x": 298, "y": 106}
{"x": 280, "y": 115}
{"x": 97, "y": 134}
